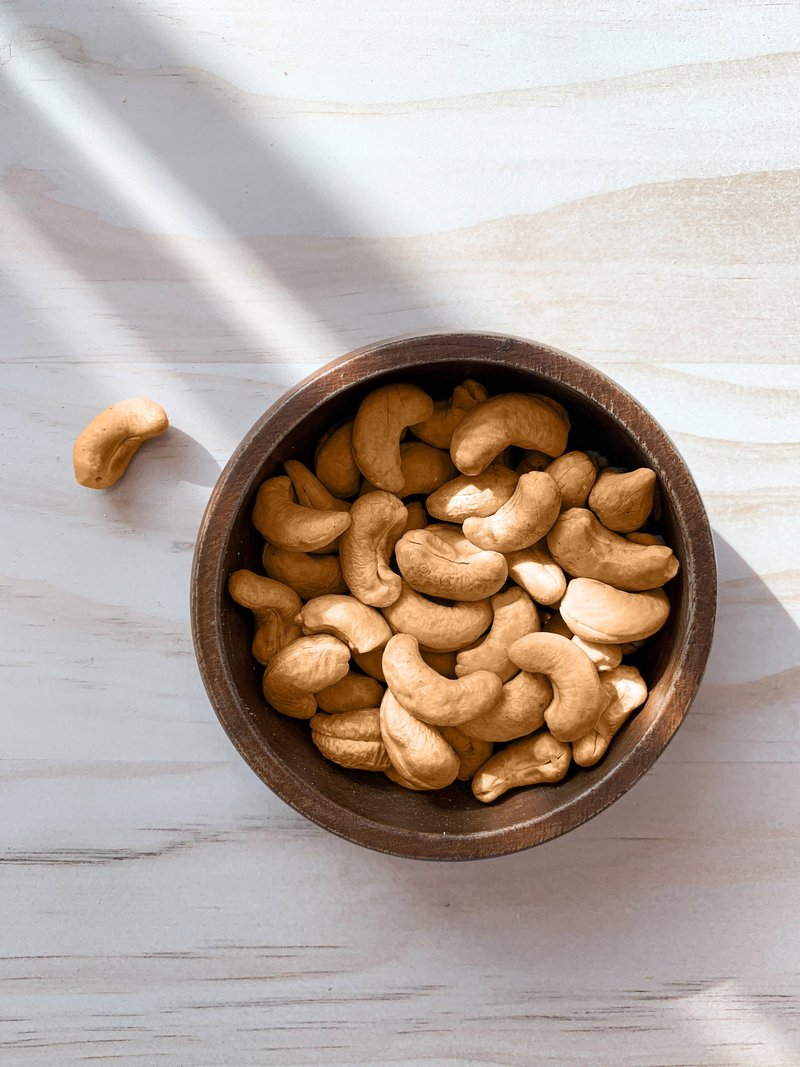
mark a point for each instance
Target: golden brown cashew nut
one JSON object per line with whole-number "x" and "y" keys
{"x": 424, "y": 469}
{"x": 442, "y": 662}
{"x": 477, "y": 494}
{"x": 371, "y": 663}
{"x": 623, "y": 500}
{"x": 361, "y": 628}
{"x": 535, "y": 570}
{"x": 574, "y": 473}
{"x": 429, "y": 696}
{"x": 578, "y": 696}
{"x": 586, "y": 549}
{"x": 601, "y": 613}
{"x": 541, "y": 758}
{"x": 309, "y": 576}
{"x": 604, "y": 657}
{"x": 274, "y": 607}
{"x": 351, "y": 739}
{"x": 104, "y": 448}
{"x": 311, "y": 493}
{"x": 447, "y": 414}
{"x": 627, "y": 691}
{"x": 440, "y": 561}
{"x": 512, "y": 419}
{"x": 439, "y": 627}
{"x": 418, "y": 751}
{"x": 471, "y": 752}
{"x": 381, "y": 419}
{"x": 641, "y": 538}
{"x": 350, "y": 693}
{"x": 334, "y": 462}
{"x": 521, "y": 521}
{"x": 288, "y": 525}
{"x": 514, "y": 615}
{"x": 376, "y": 522}
{"x": 301, "y": 669}
{"x": 519, "y": 711}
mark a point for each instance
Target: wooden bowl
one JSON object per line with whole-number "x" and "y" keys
{"x": 366, "y": 807}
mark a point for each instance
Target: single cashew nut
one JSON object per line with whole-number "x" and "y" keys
{"x": 310, "y": 491}
{"x": 440, "y": 561}
{"x": 477, "y": 494}
{"x": 289, "y": 525}
{"x": 586, "y": 549}
{"x": 626, "y": 690}
{"x": 440, "y": 627}
{"x": 335, "y": 464}
{"x": 350, "y": 693}
{"x": 537, "y": 572}
{"x": 541, "y": 758}
{"x": 274, "y": 607}
{"x": 308, "y": 576}
{"x": 514, "y": 615}
{"x": 418, "y": 751}
{"x": 447, "y": 414}
{"x": 521, "y": 521}
{"x": 424, "y": 469}
{"x": 519, "y": 711}
{"x": 376, "y": 521}
{"x": 104, "y": 448}
{"x": 360, "y": 627}
{"x": 471, "y": 752}
{"x": 601, "y": 613}
{"x": 381, "y": 419}
{"x": 429, "y": 696}
{"x": 578, "y": 696}
{"x": 532, "y": 461}
{"x": 301, "y": 669}
{"x": 622, "y": 501}
{"x": 604, "y": 657}
{"x": 519, "y": 419}
{"x": 574, "y": 473}
{"x": 351, "y": 739}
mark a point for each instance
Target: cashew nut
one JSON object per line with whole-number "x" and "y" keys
{"x": 309, "y": 576}
{"x": 623, "y": 500}
{"x": 441, "y": 562}
{"x": 604, "y": 657}
{"x": 417, "y": 517}
{"x": 381, "y": 419}
{"x": 289, "y": 525}
{"x": 478, "y": 494}
{"x": 424, "y": 469}
{"x": 417, "y": 751}
{"x": 512, "y": 419}
{"x": 274, "y": 607}
{"x": 351, "y": 739}
{"x": 574, "y": 473}
{"x": 578, "y": 696}
{"x": 609, "y": 616}
{"x": 447, "y": 414}
{"x": 640, "y": 538}
{"x": 429, "y": 696}
{"x": 521, "y": 521}
{"x": 471, "y": 752}
{"x": 376, "y": 521}
{"x": 519, "y": 711}
{"x": 532, "y": 461}
{"x": 514, "y": 615}
{"x": 541, "y": 758}
{"x": 311, "y": 493}
{"x": 104, "y": 448}
{"x": 301, "y": 669}
{"x": 626, "y": 690}
{"x": 440, "y": 627}
{"x": 360, "y": 627}
{"x": 371, "y": 663}
{"x": 334, "y": 462}
{"x": 350, "y": 693}
{"x": 537, "y": 572}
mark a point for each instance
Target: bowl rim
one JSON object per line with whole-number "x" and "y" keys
{"x": 232, "y": 489}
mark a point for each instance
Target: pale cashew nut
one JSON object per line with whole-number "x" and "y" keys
{"x": 440, "y": 561}
{"x": 521, "y": 521}
{"x": 609, "y": 616}
{"x": 578, "y": 696}
{"x": 604, "y": 657}
{"x": 308, "y": 576}
{"x": 471, "y": 752}
{"x": 424, "y": 469}
{"x": 289, "y": 525}
{"x": 371, "y": 663}
{"x": 514, "y": 615}
{"x": 360, "y": 627}
{"x": 512, "y": 419}
{"x": 519, "y": 711}
{"x": 477, "y": 494}
{"x": 310, "y": 491}
{"x": 104, "y": 448}
{"x": 377, "y": 520}
{"x": 274, "y": 607}
{"x": 301, "y": 669}
{"x": 627, "y": 691}
{"x": 350, "y": 693}
{"x": 623, "y": 500}
{"x": 429, "y": 696}
{"x": 533, "y": 461}
{"x": 418, "y": 751}
{"x": 586, "y": 549}
{"x": 574, "y": 473}
{"x": 531, "y": 761}
{"x": 447, "y": 414}
{"x": 381, "y": 419}
{"x": 439, "y": 627}
{"x": 535, "y": 570}
{"x": 351, "y": 739}
{"x": 335, "y": 464}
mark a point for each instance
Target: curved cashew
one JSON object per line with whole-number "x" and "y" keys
{"x": 441, "y": 562}
{"x": 532, "y": 461}
{"x": 578, "y": 696}
{"x": 104, "y": 448}
{"x": 361, "y": 628}
{"x": 301, "y": 669}
{"x": 429, "y": 696}
{"x": 477, "y": 494}
{"x": 350, "y": 693}
{"x": 371, "y": 663}
{"x": 541, "y": 758}
{"x": 537, "y": 572}
{"x": 381, "y": 419}
{"x": 351, "y": 739}
{"x": 604, "y": 657}
{"x": 424, "y": 469}
{"x": 311, "y": 493}
{"x": 442, "y": 662}
{"x": 574, "y": 473}
{"x": 471, "y": 752}
{"x": 334, "y": 463}
{"x": 447, "y": 414}
{"x": 609, "y": 616}
{"x": 274, "y": 607}
{"x": 519, "y": 711}
{"x": 439, "y": 627}
{"x": 288, "y": 525}
{"x": 418, "y": 751}
{"x": 309, "y": 576}
{"x": 626, "y": 690}
{"x": 623, "y": 500}
{"x": 514, "y": 615}
{"x": 512, "y": 419}
{"x": 521, "y": 521}
{"x": 376, "y": 520}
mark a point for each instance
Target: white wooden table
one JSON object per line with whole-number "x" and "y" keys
{"x": 202, "y": 201}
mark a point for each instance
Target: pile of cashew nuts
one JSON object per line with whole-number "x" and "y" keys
{"x": 449, "y": 579}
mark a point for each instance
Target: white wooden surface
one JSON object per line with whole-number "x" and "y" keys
{"x": 202, "y": 201}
